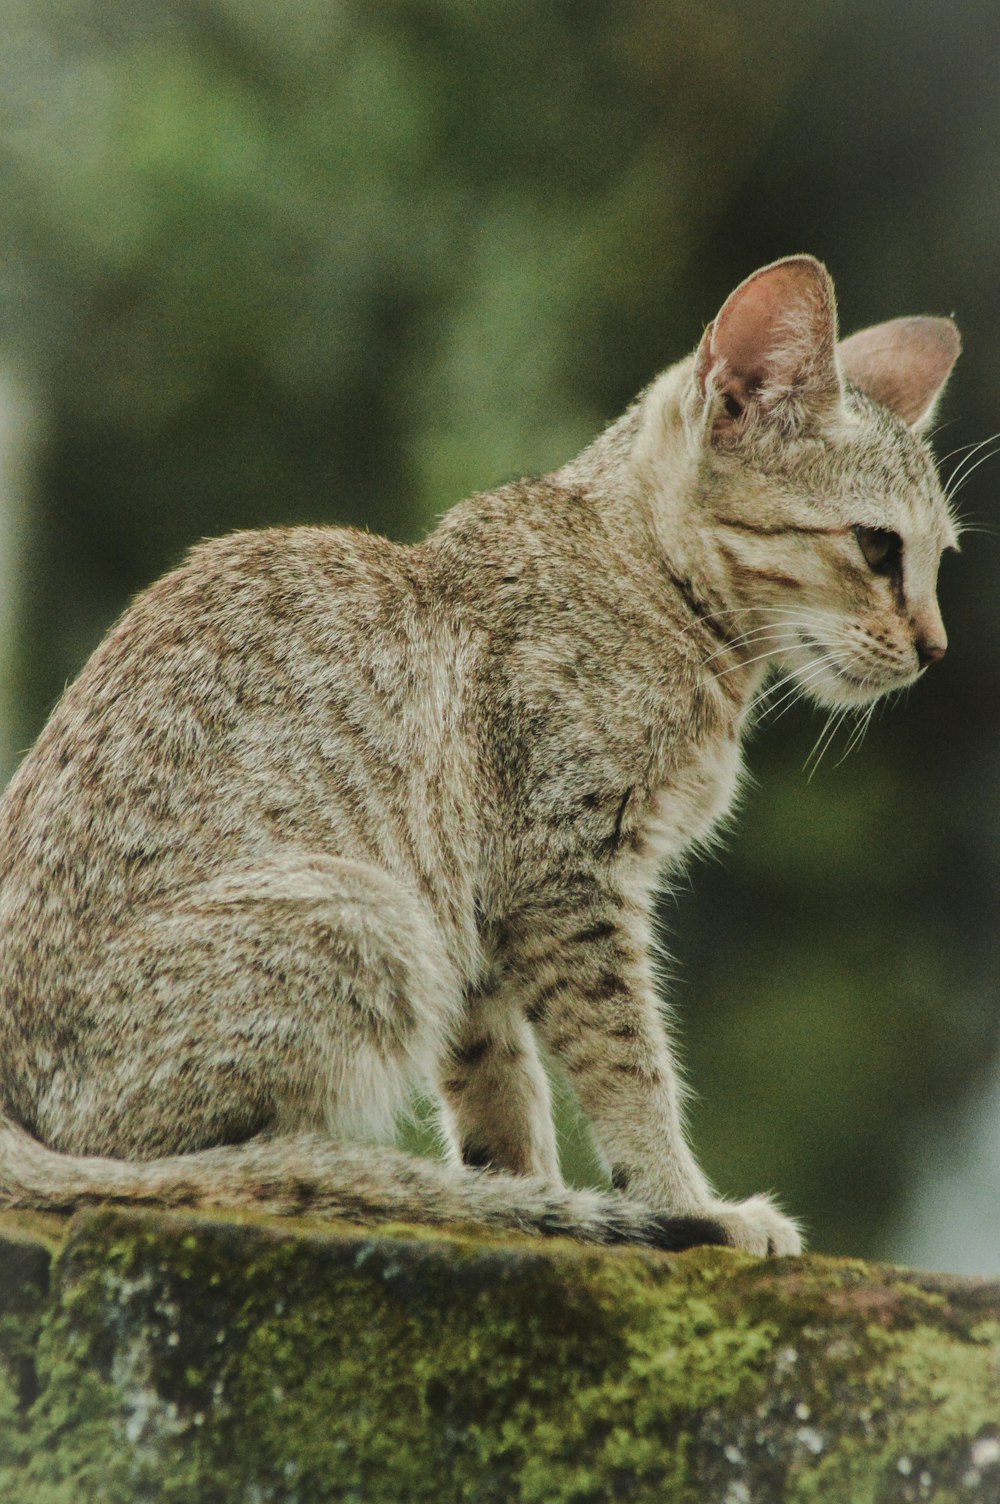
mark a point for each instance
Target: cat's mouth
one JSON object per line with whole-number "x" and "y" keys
{"x": 847, "y": 677}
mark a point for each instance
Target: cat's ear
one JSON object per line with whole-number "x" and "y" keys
{"x": 770, "y": 354}
{"x": 903, "y": 364}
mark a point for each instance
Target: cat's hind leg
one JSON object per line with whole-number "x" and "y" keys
{"x": 237, "y": 1038}
{"x": 302, "y": 992}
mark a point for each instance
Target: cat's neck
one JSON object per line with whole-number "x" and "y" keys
{"x": 644, "y": 477}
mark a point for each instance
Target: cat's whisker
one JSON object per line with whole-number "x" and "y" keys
{"x": 750, "y": 633}
{"x": 932, "y": 433}
{"x": 800, "y": 686}
{"x": 831, "y": 721}
{"x": 758, "y": 706}
{"x": 800, "y": 691}
{"x": 860, "y": 731}
{"x": 752, "y": 639}
{"x": 718, "y": 616}
{"x": 964, "y": 471}
{"x": 792, "y": 690}
{"x": 865, "y": 713}
{"x": 824, "y": 741}
{"x": 973, "y": 445}
{"x": 748, "y": 662}
{"x": 979, "y": 527}
{"x": 765, "y": 611}
{"x": 785, "y": 635}
{"x": 857, "y": 735}
{"x": 971, "y": 524}
{"x": 951, "y": 494}
{"x": 969, "y": 451}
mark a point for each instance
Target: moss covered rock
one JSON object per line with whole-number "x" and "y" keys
{"x": 164, "y": 1357}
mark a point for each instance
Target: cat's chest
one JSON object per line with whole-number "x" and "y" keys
{"x": 689, "y": 805}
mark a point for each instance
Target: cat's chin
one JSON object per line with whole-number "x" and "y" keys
{"x": 834, "y": 686}
{"x": 842, "y": 696}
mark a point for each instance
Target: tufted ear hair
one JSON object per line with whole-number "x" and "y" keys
{"x": 769, "y": 355}
{"x": 904, "y": 364}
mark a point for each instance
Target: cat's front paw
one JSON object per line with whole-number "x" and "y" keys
{"x": 756, "y": 1226}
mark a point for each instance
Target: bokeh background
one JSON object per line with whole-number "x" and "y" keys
{"x": 326, "y": 260}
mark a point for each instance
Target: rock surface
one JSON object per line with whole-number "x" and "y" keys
{"x": 156, "y": 1356}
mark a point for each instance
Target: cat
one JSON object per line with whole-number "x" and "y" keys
{"x": 326, "y": 820}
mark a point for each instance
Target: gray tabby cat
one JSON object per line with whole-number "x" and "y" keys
{"x": 326, "y": 820}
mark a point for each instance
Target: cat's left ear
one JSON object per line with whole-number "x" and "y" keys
{"x": 769, "y": 355}
{"x": 904, "y": 364}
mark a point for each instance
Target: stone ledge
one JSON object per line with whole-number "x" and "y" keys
{"x": 157, "y": 1356}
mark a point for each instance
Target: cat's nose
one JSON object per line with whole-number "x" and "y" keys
{"x": 930, "y": 652}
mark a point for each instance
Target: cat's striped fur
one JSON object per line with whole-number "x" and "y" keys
{"x": 326, "y": 820}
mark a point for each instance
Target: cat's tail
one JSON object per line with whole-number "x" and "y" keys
{"x": 309, "y": 1173}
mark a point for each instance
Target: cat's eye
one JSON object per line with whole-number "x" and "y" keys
{"x": 882, "y": 550}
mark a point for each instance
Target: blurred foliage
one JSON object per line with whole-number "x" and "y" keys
{"x": 310, "y": 260}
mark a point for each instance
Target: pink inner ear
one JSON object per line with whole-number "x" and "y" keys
{"x": 747, "y": 330}
{"x": 903, "y": 364}
{"x": 775, "y": 333}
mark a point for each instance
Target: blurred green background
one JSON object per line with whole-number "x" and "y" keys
{"x": 315, "y": 261}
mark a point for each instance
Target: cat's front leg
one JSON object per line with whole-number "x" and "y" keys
{"x": 587, "y": 986}
{"x": 495, "y": 1090}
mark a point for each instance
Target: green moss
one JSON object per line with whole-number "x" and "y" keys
{"x": 26, "y": 1246}
{"x": 906, "y": 1413}
{"x": 878, "y": 1393}
{"x": 200, "y": 1359}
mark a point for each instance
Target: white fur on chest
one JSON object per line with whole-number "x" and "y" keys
{"x": 689, "y": 810}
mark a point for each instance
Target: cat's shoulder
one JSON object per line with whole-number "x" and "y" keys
{"x": 529, "y": 525}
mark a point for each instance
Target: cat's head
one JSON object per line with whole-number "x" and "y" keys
{"x": 816, "y": 496}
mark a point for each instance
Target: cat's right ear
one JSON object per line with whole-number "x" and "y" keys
{"x": 770, "y": 354}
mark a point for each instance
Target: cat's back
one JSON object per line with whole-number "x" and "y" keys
{"x": 217, "y": 718}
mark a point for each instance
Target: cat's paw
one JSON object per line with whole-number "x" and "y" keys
{"x": 753, "y": 1226}
{"x": 756, "y": 1226}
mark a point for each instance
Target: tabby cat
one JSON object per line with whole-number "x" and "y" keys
{"x": 326, "y": 820}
